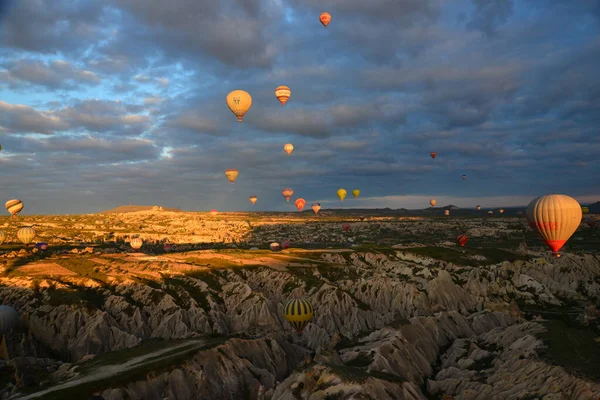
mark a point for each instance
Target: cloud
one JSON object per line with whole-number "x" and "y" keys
{"x": 57, "y": 74}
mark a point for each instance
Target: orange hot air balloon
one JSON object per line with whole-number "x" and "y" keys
{"x": 288, "y": 148}
{"x": 433, "y": 154}
{"x": 287, "y": 193}
{"x": 325, "y": 18}
{"x": 232, "y": 174}
{"x": 300, "y": 203}
{"x": 462, "y": 240}
{"x": 253, "y": 199}
{"x": 239, "y": 102}
{"x": 501, "y": 210}
{"x": 316, "y": 207}
{"x": 556, "y": 217}
{"x": 433, "y": 202}
{"x": 213, "y": 212}
{"x": 283, "y": 94}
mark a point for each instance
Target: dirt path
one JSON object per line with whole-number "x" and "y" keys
{"x": 108, "y": 371}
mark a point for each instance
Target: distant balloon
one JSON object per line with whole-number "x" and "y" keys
{"x": 213, "y": 212}
{"x": 300, "y": 203}
{"x": 14, "y": 206}
{"x": 585, "y": 210}
{"x": 447, "y": 212}
{"x": 9, "y": 318}
{"x": 556, "y": 217}
{"x": 315, "y": 207}
{"x": 136, "y": 243}
{"x": 462, "y": 240}
{"x": 478, "y": 208}
{"x": 232, "y": 174}
{"x": 433, "y": 154}
{"x": 356, "y": 192}
{"x": 501, "y": 210}
{"x": 2, "y": 237}
{"x": 341, "y": 193}
{"x": 239, "y": 102}
{"x": 325, "y": 18}
{"x": 274, "y": 246}
{"x": 490, "y": 212}
{"x": 288, "y": 148}
{"x": 253, "y": 199}
{"x": 42, "y": 246}
{"x": 168, "y": 247}
{"x": 26, "y": 234}
{"x": 283, "y": 94}
{"x": 287, "y": 193}
{"x": 464, "y": 177}
{"x": 346, "y": 227}
{"x": 298, "y": 313}
{"x": 433, "y": 202}
{"x": 285, "y": 245}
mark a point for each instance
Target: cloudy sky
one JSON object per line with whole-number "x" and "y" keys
{"x": 104, "y": 103}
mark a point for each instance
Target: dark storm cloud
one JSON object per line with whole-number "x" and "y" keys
{"x": 507, "y": 94}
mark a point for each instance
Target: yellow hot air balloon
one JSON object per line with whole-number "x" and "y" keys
{"x": 239, "y": 102}
{"x": 316, "y": 207}
{"x": 26, "y": 234}
{"x": 136, "y": 243}
{"x": 356, "y": 193}
{"x": 555, "y": 217}
{"x": 2, "y": 237}
{"x": 341, "y": 193}
{"x": 253, "y": 199}
{"x": 288, "y": 148}
{"x": 283, "y": 94}
{"x": 433, "y": 202}
{"x": 298, "y": 313}
{"x": 585, "y": 210}
{"x": 14, "y": 206}
{"x": 232, "y": 174}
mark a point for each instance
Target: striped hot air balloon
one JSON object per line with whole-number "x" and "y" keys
{"x": 274, "y": 246}
{"x": 2, "y": 237}
{"x": 315, "y": 207}
{"x": 288, "y": 148}
{"x": 232, "y": 174}
{"x": 9, "y": 318}
{"x": 26, "y": 234}
{"x": 287, "y": 193}
{"x": 298, "y": 313}
{"x": 462, "y": 240}
{"x": 556, "y": 217}
{"x": 283, "y": 94}
{"x": 14, "y": 206}
{"x": 136, "y": 243}
{"x": 300, "y": 203}
{"x": 325, "y": 18}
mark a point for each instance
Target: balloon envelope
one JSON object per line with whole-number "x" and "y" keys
{"x": 316, "y": 207}
{"x": 462, "y": 240}
{"x": 300, "y": 203}
{"x": 341, "y": 193}
{"x": 585, "y": 210}
{"x": 239, "y": 102}
{"x": 136, "y": 243}
{"x": 287, "y": 193}
{"x": 253, "y": 199}
{"x": 232, "y": 174}
{"x": 213, "y": 212}
{"x": 325, "y": 18}
{"x": 26, "y": 234}
{"x": 42, "y": 245}
{"x": 274, "y": 246}
{"x": 298, "y": 313}
{"x": 283, "y": 94}
{"x": 556, "y": 217}
{"x": 356, "y": 192}
{"x": 288, "y": 148}
{"x": 433, "y": 154}
{"x": 478, "y": 208}
{"x": 433, "y": 202}
{"x": 14, "y": 206}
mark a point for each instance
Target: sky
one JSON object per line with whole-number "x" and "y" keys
{"x": 105, "y": 103}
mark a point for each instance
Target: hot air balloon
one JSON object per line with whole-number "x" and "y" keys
{"x": 285, "y": 245}
{"x": 239, "y": 102}
{"x": 464, "y": 177}
{"x": 433, "y": 154}
{"x": 298, "y": 313}
{"x": 213, "y": 212}
{"x": 9, "y": 318}
{"x": 274, "y": 246}
{"x": 555, "y": 217}
{"x": 14, "y": 206}
{"x": 490, "y": 212}
{"x": 341, "y": 193}
{"x": 315, "y": 207}
{"x": 2, "y": 237}
{"x": 168, "y": 247}
{"x": 300, "y": 203}
{"x": 585, "y": 210}
{"x": 288, "y": 148}
{"x": 325, "y": 18}
{"x": 283, "y": 94}
{"x": 136, "y": 243}
{"x": 26, "y": 234}
{"x": 433, "y": 202}
{"x": 253, "y": 199}
{"x": 356, "y": 192}
{"x": 232, "y": 174}
{"x": 346, "y": 227}
{"x": 501, "y": 210}
{"x": 478, "y": 208}
{"x": 462, "y": 240}
{"x": 447, "y": 212}
{"x": 42, "y": 246}
{"x": 287, "y": 193}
